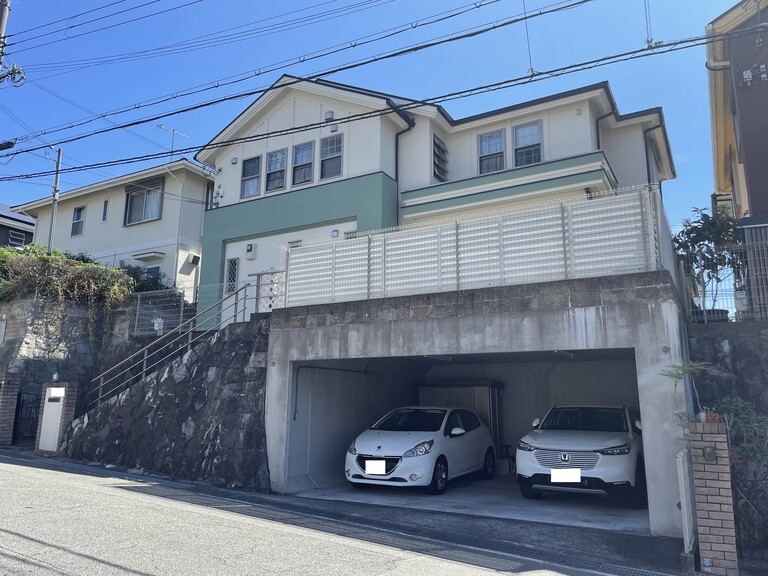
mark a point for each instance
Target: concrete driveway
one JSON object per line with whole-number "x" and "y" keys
{"x": 500, "y": 498}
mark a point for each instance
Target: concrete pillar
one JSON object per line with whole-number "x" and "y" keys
{"x": 714, "y": 498}
{"x": 9, "y": 393}
{"x": 68, "y": 401}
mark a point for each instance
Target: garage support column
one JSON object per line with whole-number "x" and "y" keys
{"x": 661, "y": 402}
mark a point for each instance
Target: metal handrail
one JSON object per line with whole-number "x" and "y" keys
{"x": 144, "y": 351}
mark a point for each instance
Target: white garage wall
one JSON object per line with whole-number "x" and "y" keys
{"x": 333, "y": 408}
{"x": 531, "y": 389}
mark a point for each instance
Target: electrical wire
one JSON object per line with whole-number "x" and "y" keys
{"x": 146, "y": 16}
{"x": 349, "y": 66}
{"x": 65, "y": 19}
{"x": 281, "y": 65}
{"x": 83, "y": 23}
{"x": 195, "y": 43}
{"x": 656, "y": 50}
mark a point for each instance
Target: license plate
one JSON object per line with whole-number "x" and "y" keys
{"x": 376, "y": 467}
{"x": 566, "y": 475}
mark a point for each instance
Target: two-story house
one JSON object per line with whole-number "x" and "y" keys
{"x": 317, "y": 159}
{"x": 15, "y": 229}
{"x": 151, "y": 218}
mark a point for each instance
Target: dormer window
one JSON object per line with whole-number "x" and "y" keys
{"x": 491, "y": 151}
{"x": 439, "y": 159}
{"x": 528, "y": 144}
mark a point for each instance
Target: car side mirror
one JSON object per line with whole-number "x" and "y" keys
{"x": 458, "y": 432}
{"x": 535, "y": 423}
{"x": 638, "y": 425}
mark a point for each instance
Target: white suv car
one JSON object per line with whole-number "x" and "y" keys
{"x": 594, "y": 449}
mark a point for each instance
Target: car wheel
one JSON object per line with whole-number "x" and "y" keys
{"x": 439, "y": 477}
{"x": 489, "y": 465}
{"x": 529, "y": 492}
{"x": 638, "y": 498}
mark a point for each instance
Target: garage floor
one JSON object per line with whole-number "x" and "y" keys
{"x": 500, "y": 498}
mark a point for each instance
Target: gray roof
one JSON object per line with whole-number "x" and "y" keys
{"x": 5, "y": 210}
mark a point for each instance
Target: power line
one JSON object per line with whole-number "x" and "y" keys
{"x": 394, "y": 54}
{"x": 657, "y": 49}
{"x": 282, "y": 65}
{"x": 83, "y": 23}
{"x": 146, "y": 16}
{"x": 65, "y": 19}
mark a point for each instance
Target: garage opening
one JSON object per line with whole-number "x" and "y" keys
{"x": 334, "y": 401}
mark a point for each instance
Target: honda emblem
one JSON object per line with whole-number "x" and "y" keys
{"x": 565, "y": 457}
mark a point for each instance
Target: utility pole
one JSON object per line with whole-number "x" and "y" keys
{"x": 5, "y": 8}
{"x": 55, "y": 193}
{"x": 15, "y": 73}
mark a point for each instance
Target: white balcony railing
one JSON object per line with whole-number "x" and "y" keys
{"x": 616, "y": 232}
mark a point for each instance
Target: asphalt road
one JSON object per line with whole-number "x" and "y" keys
{"x": 68, "y": 519}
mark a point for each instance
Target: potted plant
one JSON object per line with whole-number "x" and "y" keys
{"x": 710, "y": 250}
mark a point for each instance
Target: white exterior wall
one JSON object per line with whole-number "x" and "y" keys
{"x": 566, "y": 131}
{"x": 363, "y": 150}
{"x": 178, "y": 231}
{"x": 267, "y": 249}
{"x": 625, "y": 150}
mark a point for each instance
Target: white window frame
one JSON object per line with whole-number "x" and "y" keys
{"x": 283, "y": 169}
{"x": 231, "y": 275}
{"x": 246, "y": 180}
{"x": 516, "y": 146}
{"x": 78, "y": 221}
{"x": 14, "y": 240}
{"x": 304, "y": 165}
{"x": 104, "y": 210}
{"x": 500, "y": 153}
{"x": 144, "y": 189}
{"x": 324, "y": 156}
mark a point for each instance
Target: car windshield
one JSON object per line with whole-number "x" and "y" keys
{"x": 586, "y": 419}
{"x": 411, "y": 420}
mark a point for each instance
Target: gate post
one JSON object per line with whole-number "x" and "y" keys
{"x": 57, "y": 410}
{"x": 9, "y": 392}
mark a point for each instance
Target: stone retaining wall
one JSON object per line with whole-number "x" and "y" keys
{"x": 201, "y": 417}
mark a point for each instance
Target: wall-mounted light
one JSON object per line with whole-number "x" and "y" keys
{"x": 55, "y": 377}
{"x": 233, "y": 160}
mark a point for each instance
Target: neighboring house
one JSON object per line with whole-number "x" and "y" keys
{"x": 152, "y": 218}
{"x": 15, "y": 229}
{"x": 738, "y": 93}
{"x": 370, "y": 161}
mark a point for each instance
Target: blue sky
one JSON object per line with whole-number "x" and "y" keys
{"x": 54, "y": 96}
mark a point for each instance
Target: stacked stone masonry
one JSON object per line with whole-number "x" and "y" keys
{"x": 714, "y": 498}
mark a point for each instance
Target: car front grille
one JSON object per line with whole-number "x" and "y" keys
{"x": 565, "y": 459}
{"x": 391, "y": 461}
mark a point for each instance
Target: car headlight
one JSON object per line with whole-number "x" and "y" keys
{"x": 420, "y": 449}
{"x": 525, "y": 447}
{"x": 352, "y": 450}
{"x": 615, "y": 450}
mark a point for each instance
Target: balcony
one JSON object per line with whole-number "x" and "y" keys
{"x": 616, "y": 232}
{"x": 508, "y": 187}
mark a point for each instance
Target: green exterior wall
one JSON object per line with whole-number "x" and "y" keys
{"x": 370, "y": 199}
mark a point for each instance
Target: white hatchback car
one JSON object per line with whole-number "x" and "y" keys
{"x": 421, "y": 446}
{"x": 594, "y": 449}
